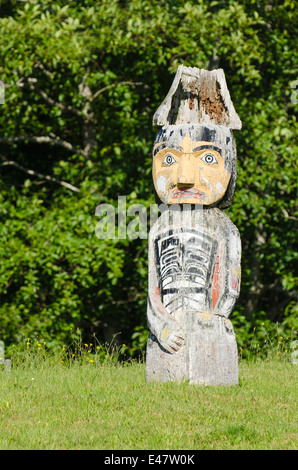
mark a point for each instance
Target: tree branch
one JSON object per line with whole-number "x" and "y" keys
{"x": 47, "y": 72}
{"x": 52, "y": 138}
{"x": 112, "y": 86}
{"x": 287, "y": 216}
{"x": 32, "y": 84}
{"x": 39, "y": 175}
{"x": 86, "y": 114}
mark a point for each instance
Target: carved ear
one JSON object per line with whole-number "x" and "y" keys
{"x": 198, "y": 96}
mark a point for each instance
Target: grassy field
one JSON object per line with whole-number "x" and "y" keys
{"x": 47, "y": 404}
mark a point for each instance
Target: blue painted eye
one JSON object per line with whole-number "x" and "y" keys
{"x": 169, "y": 160}
{"x": 209, "y": 158}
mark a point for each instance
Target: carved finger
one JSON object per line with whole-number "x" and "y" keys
{"x": 178, "y": 340}
{"x": 175, "y": 345}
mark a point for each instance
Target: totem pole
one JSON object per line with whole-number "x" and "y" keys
{"x": 194, "y": 248}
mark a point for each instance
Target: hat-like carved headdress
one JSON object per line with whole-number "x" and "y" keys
{"x": 198, "y": 96}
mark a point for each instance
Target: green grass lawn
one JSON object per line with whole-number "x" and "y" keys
{"x": 49, "y": 405}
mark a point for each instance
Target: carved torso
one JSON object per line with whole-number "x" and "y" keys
{"x": 185, "y": 263}
{"x": 194, "y": 261}
{"x": 197, "y": 260}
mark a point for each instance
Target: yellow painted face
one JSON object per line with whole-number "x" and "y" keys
{"x": 193, "y": 173}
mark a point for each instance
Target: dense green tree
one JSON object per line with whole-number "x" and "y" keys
{"x": 82, "y": 81}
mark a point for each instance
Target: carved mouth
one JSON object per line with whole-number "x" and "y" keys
{"x": 186, "y": 192}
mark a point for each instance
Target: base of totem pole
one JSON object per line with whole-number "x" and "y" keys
{"x": 208, "y": 357}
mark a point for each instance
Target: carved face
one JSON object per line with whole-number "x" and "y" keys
{"x": 187, "y": 170}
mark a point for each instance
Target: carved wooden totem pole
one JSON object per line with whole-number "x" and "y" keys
{"x": 194, "y": 248}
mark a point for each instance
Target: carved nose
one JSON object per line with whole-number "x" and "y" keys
{"x": 186, "y": 174}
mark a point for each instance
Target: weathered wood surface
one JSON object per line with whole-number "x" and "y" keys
{"x": 198, "y": 96}
{"x": 194, "y": 248}
{"x": 3, "y": 361}
{"x": 194, "y": 279}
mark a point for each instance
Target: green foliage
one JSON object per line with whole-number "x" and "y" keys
{"x": 83, "y": 80}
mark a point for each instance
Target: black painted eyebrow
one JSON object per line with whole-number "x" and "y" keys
{"x": 166, "y": 145}
{"x": 176, "y": 147}
{"x": 208, "y": 147}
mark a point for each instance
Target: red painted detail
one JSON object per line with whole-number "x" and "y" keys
{"x": 157, "y": 291}
{"x": 186, "y": 192}
{"x": 234, "y": 283}
{"x": 215, "y": 283}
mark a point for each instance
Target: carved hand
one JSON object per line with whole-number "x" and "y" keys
{"x": 172, "y": 337}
